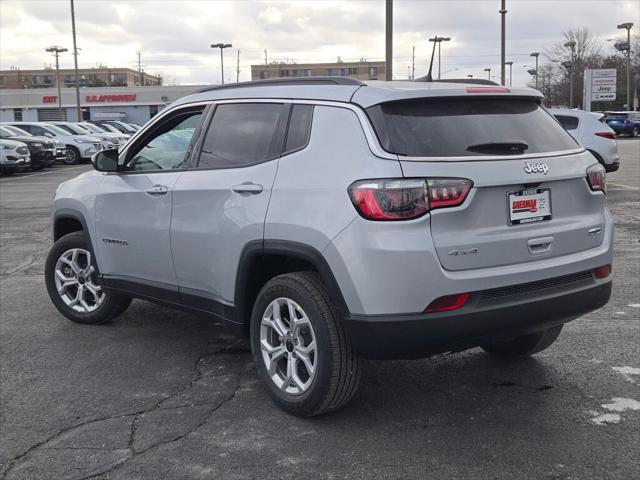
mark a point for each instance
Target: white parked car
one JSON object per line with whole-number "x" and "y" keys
{"x": 61, "y": 148}
{"x": 79, "y": 147}
{"x": 594, "y": 135}
{"x": 119, "y": 139}
{"x": 14, "y": 156}
{"x": 73, "y": 129}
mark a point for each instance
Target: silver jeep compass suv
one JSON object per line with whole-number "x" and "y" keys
{"x": 332, "y": 219}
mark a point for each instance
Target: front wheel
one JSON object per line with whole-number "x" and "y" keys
{"x": 525, "y": 345}
{"x": 300, "y": 347}
{"x": 71, "y": 280}
{"x": 72, "y": 157}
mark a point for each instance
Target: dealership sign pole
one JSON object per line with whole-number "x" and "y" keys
{"x": 599, "y": 86}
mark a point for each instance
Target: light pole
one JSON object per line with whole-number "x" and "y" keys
{"x": 56, "y": 52}
{"x": 571, "y": 67}
{"x": 75, "y": 62}
{"x": 536, "y": 55}
{"x": 488, "y": 70}
{"x": 470, "y": 75}
{"x": 510, "y": 73}
{"x": 221, "y": 46}
{"x": 628, "y": 26}
{"x": 503, "y": 26}
{"x": 439, "y": 41}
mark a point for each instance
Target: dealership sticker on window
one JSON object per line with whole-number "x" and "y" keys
{"x": 529, "y": 206}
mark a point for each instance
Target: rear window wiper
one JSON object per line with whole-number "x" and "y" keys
{"x": 499, "y": 148}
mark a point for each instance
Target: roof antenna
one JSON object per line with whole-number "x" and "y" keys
{"x": 429, "y": 78}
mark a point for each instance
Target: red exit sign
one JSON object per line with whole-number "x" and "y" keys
{"x": 110, "y": 98}
{"x": 50, "y": 99}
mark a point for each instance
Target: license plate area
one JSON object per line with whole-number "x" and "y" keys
{"x": 529, "y": 206}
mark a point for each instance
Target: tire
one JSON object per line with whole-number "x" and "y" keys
{"x": 525, "y": 345}
{"x": 76, "y": 301}
{"x": 72, "y": 157}
{"x": 37, "y": 166}
{"x": 336, "y": 367}
{"x": 635, "y": 132}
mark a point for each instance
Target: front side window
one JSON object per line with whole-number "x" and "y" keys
{"x": 243, "y": 134}
{"x": 167, "y": 145}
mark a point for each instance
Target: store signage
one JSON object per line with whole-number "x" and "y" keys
{"x": 110, "y": 98}
{"x": 599, "y": 86}
{"x": 49, "y": 99}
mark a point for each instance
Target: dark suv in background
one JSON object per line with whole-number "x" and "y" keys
{"x": 41, "y": 149}
{"x": 624, "y": 123}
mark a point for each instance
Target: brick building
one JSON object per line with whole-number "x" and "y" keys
{"x": 88, "y": 77}
{"x": 363, "y": 70}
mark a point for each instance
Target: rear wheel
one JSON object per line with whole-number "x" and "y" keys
{"x": 72, "y": 283}
{"x": 72, "y": 157}
{"x": 300, "y": 348}
{"x": 525, "y": 345}
{"x": 636, "y": 131}
{"x": 37, "y": 166}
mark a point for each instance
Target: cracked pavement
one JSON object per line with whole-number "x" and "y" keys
{"x": 161, "y": 394}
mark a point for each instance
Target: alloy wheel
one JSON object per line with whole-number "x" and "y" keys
{"x": 75, "y": 281}
{"x": 288, "y": 346}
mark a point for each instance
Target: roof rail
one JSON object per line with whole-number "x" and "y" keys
{"x": 287, "y": 81}
{"x": 474, "y": 81}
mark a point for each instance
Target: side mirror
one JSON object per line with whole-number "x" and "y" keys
{"x": 105, "y": 161}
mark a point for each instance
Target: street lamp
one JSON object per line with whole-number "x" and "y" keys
{"x": 470, "y": 75}
{"x": 510, "y": 73}
{"x": 571, "y": 68}
{"x": 56, "y": 53}
{"x": 536, "y": 55}
{"x": 439, "y": 41}
{"x": 488, "y": 70}
{"x": 221, "y": 46}
{"x": 628, "y": 26}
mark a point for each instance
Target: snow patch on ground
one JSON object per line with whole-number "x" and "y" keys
{"x": 622, "y": 404}
{"x": 634, "y": 305}
{"x": 628, "y": 372}
{"x": 620, "y": 313}
{"x": 607, "y": 419}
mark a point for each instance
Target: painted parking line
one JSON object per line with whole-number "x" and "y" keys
{"x": 15, "y": 179}
{"x": 623, "y": 186}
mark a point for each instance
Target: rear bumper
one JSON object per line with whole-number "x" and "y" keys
{"x": 486, "y": 315}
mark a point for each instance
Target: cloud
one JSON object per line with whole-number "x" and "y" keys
{"x": 174, "y": 36}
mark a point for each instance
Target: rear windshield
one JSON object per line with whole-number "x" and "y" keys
{"x": 465, "y": 126}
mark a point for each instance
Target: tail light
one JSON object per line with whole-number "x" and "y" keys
{"x": 405, "y": 199}
{"x": 602, "y": 272}
{"x": 610, "y": 135}
{"x": 447, "y": 303}
{"x": 597, "y": 178}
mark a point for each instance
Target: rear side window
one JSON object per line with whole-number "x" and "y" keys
{"x": 467, "y": 126}
{"x": 243, "y": 134}
{"x": 568, "y": 122}
{"x": 299, "y": 127}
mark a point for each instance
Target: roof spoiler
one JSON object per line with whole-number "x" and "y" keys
{"x": 474, "y": 81}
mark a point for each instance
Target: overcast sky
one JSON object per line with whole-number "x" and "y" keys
{"x": 174, "y": 36}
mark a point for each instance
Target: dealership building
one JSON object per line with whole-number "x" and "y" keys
{"x": 129, "y": 104}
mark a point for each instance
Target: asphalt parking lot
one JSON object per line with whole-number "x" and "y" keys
{"x": 161, "y": 394}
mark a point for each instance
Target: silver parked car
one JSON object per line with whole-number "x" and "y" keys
{"x": 330, "y": 219}
{"x": 593, "y": 134}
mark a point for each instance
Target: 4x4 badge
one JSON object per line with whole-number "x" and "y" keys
{"x": 536, "y": 168}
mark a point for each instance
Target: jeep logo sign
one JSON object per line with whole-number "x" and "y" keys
{"x": 536, "y": 168}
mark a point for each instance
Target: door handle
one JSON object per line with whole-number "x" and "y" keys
{"x": 248, "y": 187}
{"x": 157, "y": 190}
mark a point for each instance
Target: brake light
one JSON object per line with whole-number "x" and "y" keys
{"x": 596, "y": 178}
{"x": 406, "y": 199}
{"x": 603, "y": 271}
{"x": 447, "y": 303}
{"x": 486, "y": 90}
{"x": 610, "y": 135}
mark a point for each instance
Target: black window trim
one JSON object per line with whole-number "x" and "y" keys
{"x": 309, "y": 130}
{"x": 143, "y": 138}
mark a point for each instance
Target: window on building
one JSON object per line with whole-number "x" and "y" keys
{"x": 353, "y": 70}
{"x": 295, "y": 73}
{"x": 17, "y": 114}
{"x": 307, "y": 72}
{"x": 336, "y": 72}
{"x": 373, "y": 71}
{"x": 263, "y": 75}
{"x": 284, "y": 73}
{"x": 244, "y": 134}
